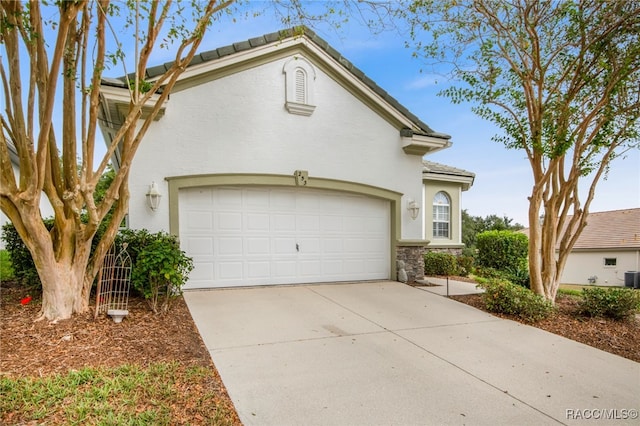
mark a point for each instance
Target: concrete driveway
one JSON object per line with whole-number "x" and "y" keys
{"x": 384, "y": 353}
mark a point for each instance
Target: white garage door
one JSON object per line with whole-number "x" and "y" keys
{"x": 240, "y": 236}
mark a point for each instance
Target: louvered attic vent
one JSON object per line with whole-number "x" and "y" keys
{"x": 299, "y": 82}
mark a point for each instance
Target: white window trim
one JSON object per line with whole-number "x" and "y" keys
{"x": 433, "y": 221}
{"x": 290, "y": 70}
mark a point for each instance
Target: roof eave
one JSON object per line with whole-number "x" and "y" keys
{"x": 466, "y": 182}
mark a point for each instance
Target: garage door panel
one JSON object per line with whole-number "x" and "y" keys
{"x": 256, "y": 199}
{"x": 202, "y": 271}
{"x": 230, "y": 270}
{"x": 308, "y": 223}
{"x": 199, "y": 246}
{"x": 259, "y": 269}
{"x": 310, "y": 268}
{"x": 331, "y": 223}
{"x": 309, "y": 245}
{"x": 228, "y": 221}
{"x": 229, "y": 246}
{"x": 199, "y": 220}
{"x": 285, "y": 269}
{"x": 258, "y": 246}
{"x": 259, "y": 236}
{"x": 332, "y": 245}
{"x": 258, "y": 222}
{"x": 284, "y": 245}
{"x": 283, "y": 222}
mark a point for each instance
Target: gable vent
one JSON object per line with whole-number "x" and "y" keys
{"x": 299, "y": 86}
{"x": 301, "y": 95}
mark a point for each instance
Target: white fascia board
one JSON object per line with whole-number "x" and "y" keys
{"x": 440, "y": 177}
{"x": 120, "y": 97}
{"x": 421, "y": 145}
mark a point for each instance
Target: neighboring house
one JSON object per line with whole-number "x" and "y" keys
{"x": 607, "y": 249}
{"x": 280, "y": 162}
{"x": 46, "y": 210}
{"x": 443, "y": 186}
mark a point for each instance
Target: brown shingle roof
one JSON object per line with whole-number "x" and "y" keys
{"x": 611, "y": 230}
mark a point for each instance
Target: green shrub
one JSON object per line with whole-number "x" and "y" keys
{"x": 23, "y": 267}
{"x": 465, "y": 265}
{"x": 438, "y": 263}
{"x": 507, "y": 298}
{"x": 160, "y": 268}
{"x": 491, "y": 273}
{"x": 503, "y": 250}
{"x": 614, "y": 303}
{"x": 519, "y": 274}
{"x": 6, "y": 269}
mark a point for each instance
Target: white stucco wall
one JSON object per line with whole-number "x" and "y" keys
{"x": 238, "y": 124}
{"x": 582, "y": 265}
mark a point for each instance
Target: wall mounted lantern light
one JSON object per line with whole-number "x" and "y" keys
{"x": 153, "y": 196}
{"x": 414, "y": 209}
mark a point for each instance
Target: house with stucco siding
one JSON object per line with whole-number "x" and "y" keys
{"x": 607, "y": 250}
{"x": 280, "y": 162}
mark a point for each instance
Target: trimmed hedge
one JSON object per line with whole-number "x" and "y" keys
{"x": 438, "y": 263}
{"x": 503, "y": 250}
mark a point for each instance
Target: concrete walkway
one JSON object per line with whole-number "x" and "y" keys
{"x": 385, "y": 353}
{"x": 448, "y": 287}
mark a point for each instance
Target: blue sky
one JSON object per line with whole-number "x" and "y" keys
{"x": 503, "y": 178}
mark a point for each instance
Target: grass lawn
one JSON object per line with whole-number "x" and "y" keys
{"x": 125, "y": 395}
{"x": 6, "y": 270}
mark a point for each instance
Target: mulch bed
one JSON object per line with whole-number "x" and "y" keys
{"x": 617, "y": 337}
{"x": 29, "y": 348}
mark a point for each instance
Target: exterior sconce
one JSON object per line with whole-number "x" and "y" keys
{"x": 414, "y": 209}
{"x": 153, "y": 197}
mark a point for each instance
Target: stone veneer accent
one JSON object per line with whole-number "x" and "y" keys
{"x": 456, "y": 251}
{"x": 412, "y": 255}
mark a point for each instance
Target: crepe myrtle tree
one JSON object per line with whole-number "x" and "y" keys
{"x": 51, "y": 66}
{"x": 560, "y": 79}
{"x": 39, "y": 73}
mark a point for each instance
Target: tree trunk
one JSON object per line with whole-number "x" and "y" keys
{"x": 61, "y": 292}
{"x": 65, "y": 291}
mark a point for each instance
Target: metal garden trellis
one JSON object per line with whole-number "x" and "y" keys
{"x": 114, "y": 280}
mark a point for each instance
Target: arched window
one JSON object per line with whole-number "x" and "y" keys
{"x": 441, "y": 215}
{"x": 299, "y": 81}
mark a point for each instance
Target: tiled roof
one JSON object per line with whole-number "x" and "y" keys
{"x": 443, "y": 169}
{"x": 277, "y": 37}
{"x": 610, "y": 230}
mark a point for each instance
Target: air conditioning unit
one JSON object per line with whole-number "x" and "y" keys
{"x": 632, "y": 279}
